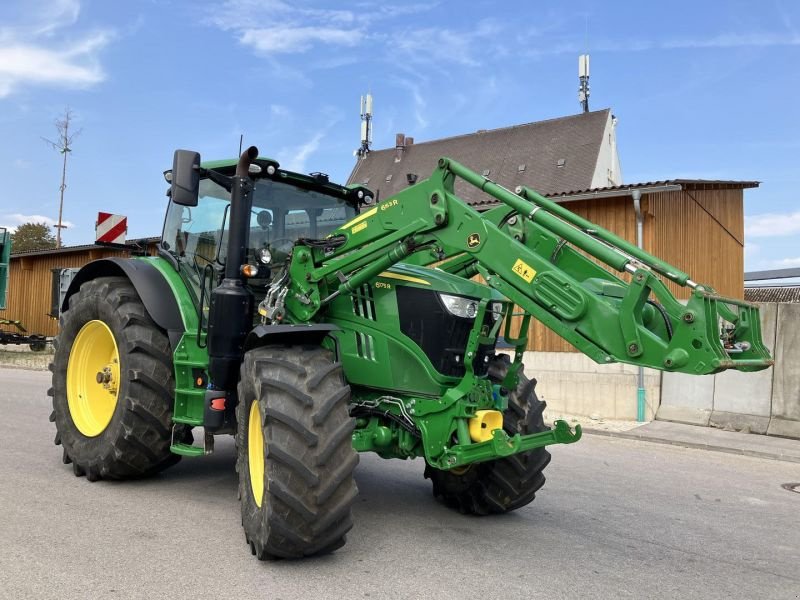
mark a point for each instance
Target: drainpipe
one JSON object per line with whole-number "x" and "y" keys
{"x": 640, "y": 394}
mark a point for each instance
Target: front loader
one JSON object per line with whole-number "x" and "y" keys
{"x": 314, "y": 323}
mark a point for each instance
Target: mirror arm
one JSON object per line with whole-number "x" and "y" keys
{"x": 218, "y": 178}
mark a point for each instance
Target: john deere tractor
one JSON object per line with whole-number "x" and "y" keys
{"x": 313, "y": 323}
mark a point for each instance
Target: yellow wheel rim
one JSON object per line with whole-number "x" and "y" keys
{"x": 93, "y": 378}
{"x": 255, "y": 453}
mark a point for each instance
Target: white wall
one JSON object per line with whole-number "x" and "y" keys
{"x": 573, "y": 384}
{"x": 608, "y": 171}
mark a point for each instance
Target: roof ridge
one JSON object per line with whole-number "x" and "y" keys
{"x": 496, "y": 129}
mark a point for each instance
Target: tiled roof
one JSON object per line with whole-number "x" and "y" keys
{"x": 521, "y": 155}
{"x": 687, "y": 184}
{"x": 83, "y": 247}
{"x": 784, "y": 293}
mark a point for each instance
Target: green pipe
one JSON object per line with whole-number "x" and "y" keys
{"x": 582, "y": 240}
{"x": 656, "y": 264}
{"x": 463, "y": 432}
{"x": 640, "y": 404}
{"x": 371, "y": 271}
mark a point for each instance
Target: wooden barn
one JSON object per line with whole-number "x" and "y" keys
{"x": 31, "y": 275}
{"x": 697, "y": 225}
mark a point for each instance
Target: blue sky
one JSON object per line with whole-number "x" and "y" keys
{"x": 701, "y": 90}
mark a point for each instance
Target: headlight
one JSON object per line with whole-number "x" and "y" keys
{"x": 265, "y": 256}
{"x": 465, "y": 308}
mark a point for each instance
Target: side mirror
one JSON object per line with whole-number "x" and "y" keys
{"x": 185, "y": 185}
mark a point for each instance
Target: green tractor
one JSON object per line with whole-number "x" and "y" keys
{"x": 313, "y": 323}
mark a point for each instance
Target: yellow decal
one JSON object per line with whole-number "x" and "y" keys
{"x": 360, "y": 218}
{"x": 404, "y": 278}
{"x": 383, "y": 285}
{"x": 390, "y": 204}
{"x": 524, "y": 270}
{"x": 359, "y": 227}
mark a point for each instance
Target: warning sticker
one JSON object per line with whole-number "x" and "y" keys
{"x": 524, "y": 270}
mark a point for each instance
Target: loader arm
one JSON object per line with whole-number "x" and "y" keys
{"x": 537, "y": 254}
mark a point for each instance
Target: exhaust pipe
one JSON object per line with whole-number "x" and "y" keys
{"x": 230, "y": 316}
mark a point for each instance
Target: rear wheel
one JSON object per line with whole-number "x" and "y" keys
{"x": 506, "y": 484}
{"x": 294, "y": 452}
{"x": 112, "y": 384}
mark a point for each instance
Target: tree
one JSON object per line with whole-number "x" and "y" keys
{"x": 64, "y": 145}
{"x": 32, "y": 236}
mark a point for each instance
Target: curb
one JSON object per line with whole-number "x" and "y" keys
{"x": 697, "y": 446}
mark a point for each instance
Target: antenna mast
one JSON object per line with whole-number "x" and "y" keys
{"x": 366, "y": 126}
{"x": 63, "y": 145}
{"x": 583, "y": 77}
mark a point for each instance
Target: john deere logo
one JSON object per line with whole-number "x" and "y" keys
{"x": 473, "y": 240}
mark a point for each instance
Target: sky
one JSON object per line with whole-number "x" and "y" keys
{"x": 701, "y": 90}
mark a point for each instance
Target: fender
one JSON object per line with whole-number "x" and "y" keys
{"x": 153, "y": 289}
{"x": 264, "y": 335}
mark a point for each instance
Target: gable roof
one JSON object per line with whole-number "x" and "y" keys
{"x": 519, "y": 155}
{"x": 785, "y": 293}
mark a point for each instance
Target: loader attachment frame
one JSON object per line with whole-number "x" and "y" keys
{"x": 534, "y": 252}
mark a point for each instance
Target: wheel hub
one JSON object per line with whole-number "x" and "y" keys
{"x": 92, "y": 378}
{"x": 255, "y": 453}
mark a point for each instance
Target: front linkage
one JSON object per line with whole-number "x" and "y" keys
{"x": 465, "y": 425}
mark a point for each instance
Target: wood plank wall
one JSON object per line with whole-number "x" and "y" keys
{"x": 29, "y": 286}
{"x": 701, "y": 232}
{"x": 698, "y": 231}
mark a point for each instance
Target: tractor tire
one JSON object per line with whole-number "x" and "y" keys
{"x": 506, "y": 484}
{"x": 295, "y": 457}
{"x": 113, "y": 384}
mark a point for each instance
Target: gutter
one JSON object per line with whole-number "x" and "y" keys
{"x": 654, "y": 189}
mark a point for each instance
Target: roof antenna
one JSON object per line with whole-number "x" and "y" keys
{"x": 366, "y": 126}
{"x": 241, "y": 139}
{"x": 583, "y": 71}
{"x": 583, "y": 77}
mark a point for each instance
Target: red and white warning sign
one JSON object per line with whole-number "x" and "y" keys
{"x": 110, "y": 229}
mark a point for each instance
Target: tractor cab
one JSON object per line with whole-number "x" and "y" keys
{"x": 284, "y": 207}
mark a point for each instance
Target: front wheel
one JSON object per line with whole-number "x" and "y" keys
{"x": 506, "y": 484}
{"x": 295, "y": 457}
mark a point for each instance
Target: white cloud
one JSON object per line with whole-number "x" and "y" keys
{"x": 441, "y": 46}
{"x": 419, "y": 102}
{"x": 736, "y": 40}
{"x": 13, "y": 220}
{"x": 278, "y": 110}
{"x": 785, "y": 263}
{"x": 32, "y": 54}
{"x": 301, "y": 28}
{"x": 278, "y": 40}
{"x": 299, "y": 155}
{"x": 772, "y": 224}
{"x": 748, "y": 39}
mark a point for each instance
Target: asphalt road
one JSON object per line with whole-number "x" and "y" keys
{"x": 616, "y": 519}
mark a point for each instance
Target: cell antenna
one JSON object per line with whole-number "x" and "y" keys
{"x": 583, "y": 77}
{"x": 366, "y": 126}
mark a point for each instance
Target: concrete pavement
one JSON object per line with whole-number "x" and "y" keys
{"x": 617, "y": 518}
{"x": 709, "y": 438}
